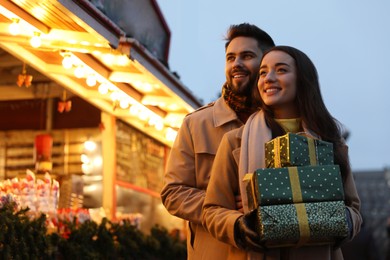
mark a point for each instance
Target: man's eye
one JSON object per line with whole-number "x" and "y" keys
{"x": 230, "y": 58}
{"x": 248, "y": 56}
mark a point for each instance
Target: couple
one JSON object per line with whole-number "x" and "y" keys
{"x": 272, "y": 90}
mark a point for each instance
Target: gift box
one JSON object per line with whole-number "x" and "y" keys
{"x": 273, "y": 186}
{"x": 297, "y": 150}
{"x": 302, "y": 224}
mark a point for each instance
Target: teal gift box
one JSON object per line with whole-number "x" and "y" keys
{"x": 302, "y": 224}
{"x": 273, "y": 186}
{"x": 297, "y": 150}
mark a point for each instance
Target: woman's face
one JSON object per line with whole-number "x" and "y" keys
{"x": 278, "y": 84}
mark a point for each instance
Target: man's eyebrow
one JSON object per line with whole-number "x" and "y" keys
{"x": 240, "y": 53}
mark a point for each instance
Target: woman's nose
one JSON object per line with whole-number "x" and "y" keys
{"x": 269, "y": 77}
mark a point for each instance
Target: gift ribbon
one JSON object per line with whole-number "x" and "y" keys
{"x": 303, "y": 222}
{"x": 295, "y": 184}
{"x": 304, "y": 229}
{"x": 251, "y": 190}
{"x": 312, "y": 151}
{"x": 277, "y": 162}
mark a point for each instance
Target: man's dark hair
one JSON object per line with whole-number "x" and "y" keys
{"x": 264, "y": 41}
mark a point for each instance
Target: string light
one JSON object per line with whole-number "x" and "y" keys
{"x": 120, "y": 100}
{"x": 81, "y": 70}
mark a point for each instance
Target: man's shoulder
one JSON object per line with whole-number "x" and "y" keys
{"x": 202, "y": 109}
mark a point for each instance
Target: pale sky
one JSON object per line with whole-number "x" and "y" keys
{"x": 348, "y": 41}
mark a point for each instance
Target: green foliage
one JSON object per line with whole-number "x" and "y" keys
{"x": 24, "y": 237}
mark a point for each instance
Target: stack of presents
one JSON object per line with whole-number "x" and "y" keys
{"x": 299, "y": 197}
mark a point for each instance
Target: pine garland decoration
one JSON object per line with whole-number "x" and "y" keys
{"x": 23, "y": 236}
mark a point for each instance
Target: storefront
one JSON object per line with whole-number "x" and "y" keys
{"x": 91, "y": 73}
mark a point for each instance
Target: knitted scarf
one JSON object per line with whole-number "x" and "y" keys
{"x": 240, "y": 104}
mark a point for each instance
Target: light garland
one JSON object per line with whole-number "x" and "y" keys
{"x": 92, "y": 78}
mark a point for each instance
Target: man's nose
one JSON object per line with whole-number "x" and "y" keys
{"x": 237, "y": 62}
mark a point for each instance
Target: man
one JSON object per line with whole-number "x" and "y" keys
{"x": 192, "y": 155}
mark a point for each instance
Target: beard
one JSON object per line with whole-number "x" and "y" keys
{"x": 242, "y": 89}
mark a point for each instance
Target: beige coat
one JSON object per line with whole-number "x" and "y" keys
{"x": 220, "y": 215}
{"x": 188, "y": 172}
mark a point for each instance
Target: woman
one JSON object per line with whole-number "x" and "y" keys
{"x": 291, "y": 101}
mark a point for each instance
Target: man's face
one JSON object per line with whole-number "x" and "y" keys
{"x": 242, "y": 64}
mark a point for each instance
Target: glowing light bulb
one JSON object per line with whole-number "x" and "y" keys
{"x": 103, "y": 88}
{"x": 122, "y": 60}
{"x": 134, "y": 110}
{"x": 98, "y": 161}
{"x": 124, "y": 103}
{"x": 109, "y": 58}
{"x": 143, "y": 115}
{"x": 170, "y": 134}
{"x": 114, "y": 96}
{"x": 159, "y": 125}
{"x": 67, "y": 62}
{"x": 90, "y": 145}
{"x": 14, "y": 27}
{"x": 36, "y": 40}
{"x": 79, "y": 72}
{"x": 84, "y": 158}
{"x": 91, "y": 80}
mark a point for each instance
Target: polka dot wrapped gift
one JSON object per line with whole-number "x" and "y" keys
{"x": 297, "y": 150}
{"x": 302, "y": 224}
{"x": 273, "y": 186}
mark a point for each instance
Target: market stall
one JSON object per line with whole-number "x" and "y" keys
{"x": 74, "y": 71}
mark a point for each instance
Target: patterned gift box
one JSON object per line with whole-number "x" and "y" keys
{"x": 302, "y": 224}
{"x": 297, "y": 150}
{"x": 273, "y": 186}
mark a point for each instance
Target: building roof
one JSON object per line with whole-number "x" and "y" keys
{"x": 79, "y": 42}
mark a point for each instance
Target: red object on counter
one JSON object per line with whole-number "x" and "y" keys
{"x": 42, "y": 152}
